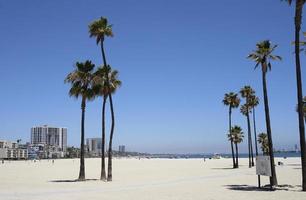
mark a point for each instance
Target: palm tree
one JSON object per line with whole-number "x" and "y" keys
{"x": 253, "y": 102}
{"x": 232, "y": 101}
{"x": 236, "y": 135}
{"x": 81, "y": 85}
{"x": 264, "y": 142}
{"x": 113, "y": 84}
{"x": 247, "y": 92}
{"x": 298, "y": 21}
{"x": 262, "y": 56}
{"x": 245, "y": 110}
{"x": 104, "y": 88}
{"x": 101, "y": 29}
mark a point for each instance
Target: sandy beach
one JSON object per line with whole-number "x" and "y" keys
{"x": 143, "y": 179}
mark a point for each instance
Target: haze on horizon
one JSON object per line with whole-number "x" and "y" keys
{"x": 176, "y": 60}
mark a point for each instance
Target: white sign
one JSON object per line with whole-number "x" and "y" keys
{"x": 263, "y": 165}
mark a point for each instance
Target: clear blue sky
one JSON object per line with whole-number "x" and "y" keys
{"x": 176, "y": 60}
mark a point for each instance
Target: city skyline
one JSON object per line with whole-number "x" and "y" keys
{"x": 154, "y": 113}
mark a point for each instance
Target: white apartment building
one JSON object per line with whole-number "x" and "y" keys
{"x": 10, "y": 150}
{"x": 51, "y": 136}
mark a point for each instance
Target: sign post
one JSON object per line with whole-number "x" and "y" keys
{"x": 263, "y": 166}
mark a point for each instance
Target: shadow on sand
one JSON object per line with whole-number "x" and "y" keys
{"x": 265, "y": 188}
{"x": 222, "y": 168}
{"x": 72, "y": 181}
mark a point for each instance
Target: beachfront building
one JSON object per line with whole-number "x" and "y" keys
{"x": 94, "y": 146}
{"x": 11, "y": 150}
{"x": 121, "y": 149}
{"x": 51, "y": 136}
{"x": 48, "y": 142}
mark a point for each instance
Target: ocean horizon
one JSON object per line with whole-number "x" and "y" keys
{"x": 224, "y": 155}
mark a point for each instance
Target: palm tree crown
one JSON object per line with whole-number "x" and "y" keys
{"x": 247, "y": 92}
{"x": 99, "y": 29}
{"x": 253, "y": 101}
{"x": 237, "y": 134}
{"x": 81, "y": 80}
{"x": 106, "y": 80}
{"x": 263, "y": 54}
{"x": 231, "y": 99}
{"x": 263, "y": 140}
{"x": 245, "y": 109}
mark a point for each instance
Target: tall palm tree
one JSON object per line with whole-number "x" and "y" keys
{"x": 262, "y": 56}
{"x": 101, "y": 29}
{"x": 253, "y": 102}
{"x": 298, "y": 21}
{"x": 263, "y": 141}
{"x": 236, "y": 135}
{"x": 245, "y": 110}
{"x": 247, "y": 92}
{"x": 101, "y": 89}
{"x": 81, "y": 85}
{"x": 113, "y": 84}
{"x": 104, "y": 88}
{"x": 232, "y": 101}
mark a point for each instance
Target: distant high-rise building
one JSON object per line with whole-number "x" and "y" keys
{"x": 296, "y": 148}
{"x": 52, "y": 136}
{"x": 121, "y": 148}
{"x": 94, "y": 145}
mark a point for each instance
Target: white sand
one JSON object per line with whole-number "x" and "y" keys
{"x": 158, "y": 179}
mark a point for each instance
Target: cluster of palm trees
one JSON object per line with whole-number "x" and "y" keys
{"x": 235, "y": 135}
{"x": 88, "y": 83}
{"x": 262, "y": 56}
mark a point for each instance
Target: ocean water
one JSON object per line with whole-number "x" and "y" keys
{"x": 246, "y": 155}
{"x": 276, "y": 154}
{"x": 242, "y": 155}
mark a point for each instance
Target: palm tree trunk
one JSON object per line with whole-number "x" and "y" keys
{"x": 237, "y": 163}
{"x": 249, "y": 139}
{"x": 110, "y": 151}
{"x": 255, "y": 133}
{"x": 82, "y": 163}
{"x": 273, "y": 179}
{"x": 251, "y": 147}
{"x": 103, "y": 173}
{"x": 255, "y": 136}
{"x": 230, "y": 128}
{"x": 298, "y": 21}
{"x": 103, "y": 52}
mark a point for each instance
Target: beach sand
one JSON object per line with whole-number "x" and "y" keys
{"x": 146, "y": 179}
